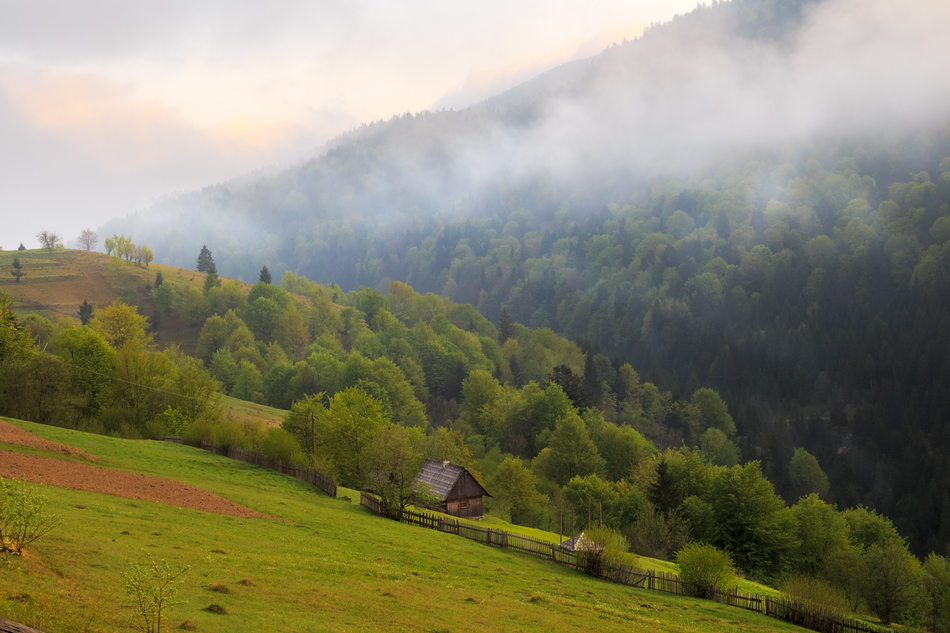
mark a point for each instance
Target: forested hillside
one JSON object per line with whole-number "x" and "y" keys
{"x": 781, "y": 239}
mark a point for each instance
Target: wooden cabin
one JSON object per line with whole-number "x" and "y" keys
{"x": 458, "y": 492}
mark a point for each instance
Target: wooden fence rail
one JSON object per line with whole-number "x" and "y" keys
{"x": 312, "y": 477}
{"x": 666, "y": 582}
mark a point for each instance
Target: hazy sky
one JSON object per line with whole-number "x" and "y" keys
{"x": 107, "y": 104}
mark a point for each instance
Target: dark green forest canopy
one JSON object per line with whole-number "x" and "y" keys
{"x": 805, "y": 283}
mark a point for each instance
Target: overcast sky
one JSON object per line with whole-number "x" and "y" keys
{"x": 106, "y": 105}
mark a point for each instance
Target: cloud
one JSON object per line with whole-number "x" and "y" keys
{"x": 688, "y": 93}
{"x": 79, "y": 149}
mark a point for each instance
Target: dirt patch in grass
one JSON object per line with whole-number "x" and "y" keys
{"x": 10, "y": 434}
{"x": 55, "y": 472}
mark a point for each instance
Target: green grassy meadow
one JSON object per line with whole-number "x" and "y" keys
{"x": 325, "y": 565}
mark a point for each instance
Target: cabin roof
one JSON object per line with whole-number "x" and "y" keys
{"x": 579, "y": 543}
{"x": 442, "y": 477}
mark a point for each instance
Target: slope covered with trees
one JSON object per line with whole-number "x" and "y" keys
{"x": 800, "y": 272}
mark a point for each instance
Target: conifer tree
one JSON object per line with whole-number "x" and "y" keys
{"x": 265, "y": 275}
{"x": 85, "y": 312}
{"x": 22, "y": 248}
{"x": 158, "y": 279}
{"x": 205, "y": 261}
{"x": 17, "y": 271}
{"x": 506, "y": 328}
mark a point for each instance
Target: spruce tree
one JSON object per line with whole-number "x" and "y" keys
{"x": 158, "y": 279}
{"x": 17, "y": 271}
{"x": 265, "y": 276}
{"x": 22, "y": 248}
{"x": 506, "y": 328}
{"x": 85, "y": 312}
{"x": 205, "y": 261}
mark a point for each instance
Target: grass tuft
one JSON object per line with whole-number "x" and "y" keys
{"x": 219, "y": 588}
{"x": 216, "y": 609}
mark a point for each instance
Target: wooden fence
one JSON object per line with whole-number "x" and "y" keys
{"x": 666, "y": 582}
{"x": 312, "y": 477}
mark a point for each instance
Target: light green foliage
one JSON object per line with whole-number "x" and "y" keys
{"x": 226, "y": 297}
{"x": 750, "y": 520}
{"x": 806, "y": 475}
{"x": 151, "y": 590}
{"x": 814, "y": 594}
{"x": 606, "y": 553}
{"x": 823, "y": 537}
{"x": 868, "y": 528}
{"x": 22, "y": 520}
{"x": 190, "y": 388}
{"x": 166, "y": 297}
{"x": 937, "y": 586}
{"x": 248, "y": 383}
{"x": 718, "y": 449}
{"x": 224, "y": 369}
{"x": 572, "y": 452}
{"x": 394, "y": 460}
{"x": 280, "y": 444}
{"x": 121, "y": 326}
{"x": 194, "y": 305}
{"x": 261, "y": 317}
{"x": 352, "y": 421}
{"x": 15, "y": 342}
{"x": 711, "y": 413}
{"x": 515, "y": 495}
{"x": 894, "y": 585}
{"x": 92, "y": 363}
{"x": 448, "y": 445}
{"x": 290, "y": 330}
{"x": 480, "y": 390}
{"x": 703, "y": 566}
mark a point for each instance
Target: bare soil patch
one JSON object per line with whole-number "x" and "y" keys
{"x": 55, "y": 472}
{"x": 10, "y": 434}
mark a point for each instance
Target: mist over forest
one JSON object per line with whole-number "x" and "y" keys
{"x": 754, "y": 197}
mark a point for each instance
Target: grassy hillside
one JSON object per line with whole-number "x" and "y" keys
{"x": 327, "y": 565}
{"x": 57, "y": 283}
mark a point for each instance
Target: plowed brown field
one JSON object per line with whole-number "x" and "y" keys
{"x": 91, "y": 478}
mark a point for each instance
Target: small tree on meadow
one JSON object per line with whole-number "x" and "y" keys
{"x": 393, "y": 465}
{"x": 49, "y": 240}
{"x": 22, "y": 248}
{"x": 88, "y": 239}
{"x": 702, "y": 567}
{"x": 17, "y": 271}
{"x": 265, "y": 275}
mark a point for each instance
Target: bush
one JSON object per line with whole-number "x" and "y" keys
{"x": 606, "y": 553}
{"x": 703, "y": 566}
{"x": 815, "y": 594}
{"x": 151, "y": 590}
{"x": 280, "y": 444}
{"x": 21, "y": 516}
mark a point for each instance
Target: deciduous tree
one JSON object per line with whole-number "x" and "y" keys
{"x": 49, "y": 240}
{"x": 88, "y": 239}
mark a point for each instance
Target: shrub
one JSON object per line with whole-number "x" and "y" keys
{"x": 280, "y": 444}
{"x": 21, "y": 516}
{"x": 151, "y": 592}
{"x": 606, "y": 553}
{"x": 815, "y": 594}
{"x": 703, "y": 566}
